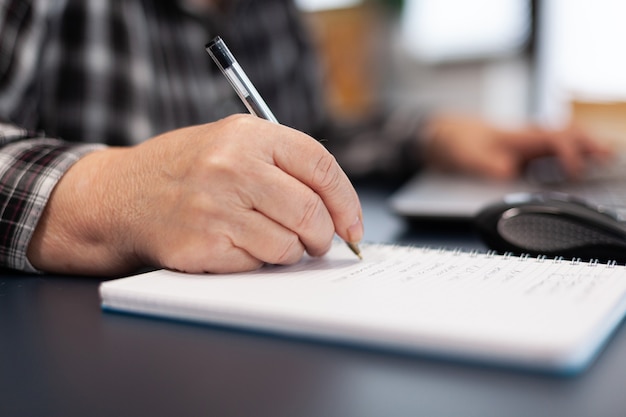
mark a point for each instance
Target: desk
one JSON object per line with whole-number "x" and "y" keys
{"x": 61, "y": 356}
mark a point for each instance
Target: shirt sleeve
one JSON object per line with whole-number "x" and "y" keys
{"x": 30, "y": 167}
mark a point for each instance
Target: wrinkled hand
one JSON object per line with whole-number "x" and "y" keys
{"x": 471, "y": 145}
{"x": 221, "y": 197}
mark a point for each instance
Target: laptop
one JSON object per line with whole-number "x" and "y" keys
{"x": 440, "y": 196}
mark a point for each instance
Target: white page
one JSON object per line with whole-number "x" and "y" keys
{"x": 519, "y": 311}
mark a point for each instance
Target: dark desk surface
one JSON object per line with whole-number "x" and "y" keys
{"x": 61, "y": 356}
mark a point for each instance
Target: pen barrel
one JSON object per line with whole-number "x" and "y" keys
{"x": 248, "y": 93}
{"x": 220, "y": 53}
{"x": 239, "y": 80}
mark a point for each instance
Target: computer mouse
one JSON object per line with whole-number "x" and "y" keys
{"x": 552, "y": 224}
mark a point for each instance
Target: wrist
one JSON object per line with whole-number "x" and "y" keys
{"x": 83, "y": 228}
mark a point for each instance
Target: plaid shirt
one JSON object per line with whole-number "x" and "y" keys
{"x": 77, "y": 75}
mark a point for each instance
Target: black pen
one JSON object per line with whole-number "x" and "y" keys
{"x": 244, "y": 88}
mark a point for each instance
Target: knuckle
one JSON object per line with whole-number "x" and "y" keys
{"x": 186, "y": 256}
{"x": 226, "y": 258}
{"x": 220, "y": 162}
{"x": 291, "y": 251}
{"x": 240, "y": 124}
{"x": 238, "y": 119}
{"x": 325, "y": 247}
{"x": 326, "y": 172}
{"x": 310, "y": 213}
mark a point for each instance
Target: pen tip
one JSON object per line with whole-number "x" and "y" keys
{"x": 355, "y": 249}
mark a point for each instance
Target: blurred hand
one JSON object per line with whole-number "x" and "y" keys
{"x": 466, "y": 144}
{"x": 221, "y": 197}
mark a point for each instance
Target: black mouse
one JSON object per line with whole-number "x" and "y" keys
{"x": 552, "y": 224}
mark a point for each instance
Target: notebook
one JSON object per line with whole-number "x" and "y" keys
{"x": 436, "y": 195}
{"x": 520, "y": 312}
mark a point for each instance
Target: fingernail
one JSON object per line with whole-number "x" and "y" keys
{"x": 355, "y": 232}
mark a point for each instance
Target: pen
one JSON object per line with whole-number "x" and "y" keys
{"x": 244, "y": 88}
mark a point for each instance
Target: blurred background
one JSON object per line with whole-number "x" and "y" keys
{"x": 551, "y": 61}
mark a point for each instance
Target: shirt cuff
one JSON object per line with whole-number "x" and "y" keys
{"x": 29, "y": 171}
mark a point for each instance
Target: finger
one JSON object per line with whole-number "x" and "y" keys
{"x": 250, "y": 240}
{"x": 567, "y": 151}
{"x": 294, "y": 206}
{"x": 198, "y": 256}
{"x": 575, "y": 150}
{"x": 307, "y": 160}
{"x": 268, "y": 240}
{"x": 498, "y": 165}
{"x": 534, "y": 143}
{"x": 488, "y": 160}
{"x": 590, "y": 144}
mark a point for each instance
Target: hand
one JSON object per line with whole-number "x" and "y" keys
{"x": 471, "y": 145}
{"x": 221, "y": 197}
